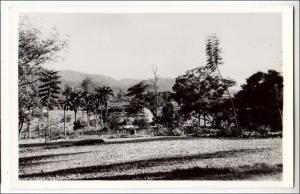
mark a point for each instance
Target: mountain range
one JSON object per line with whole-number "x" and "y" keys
{"x": 74, "y": 79}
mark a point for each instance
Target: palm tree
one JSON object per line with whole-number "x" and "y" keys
{"x": 98, "y": 103}
{"x": 107, "y": 92}
{"x": 102, "y": 96}
{"x": 88, "y": 104}
{"x": 66, "y": 103}
{"x": 75, "y": 102}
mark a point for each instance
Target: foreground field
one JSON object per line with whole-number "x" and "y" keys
{"x": 163, "y": 158}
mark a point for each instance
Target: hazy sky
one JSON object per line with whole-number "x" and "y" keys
{"x": 126, "y": 45}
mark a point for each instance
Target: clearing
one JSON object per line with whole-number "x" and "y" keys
{"x": 159, "y": 158}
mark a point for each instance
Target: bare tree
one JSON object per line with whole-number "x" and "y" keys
{"x": 155, "y": 87}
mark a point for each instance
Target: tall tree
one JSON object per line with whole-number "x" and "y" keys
{"x": 66, "y": 103}
{"x": 89, "y": 104}
{"x": 34, "y": 51}
{"x": 28, "y": 100}
{"x": 137, "y": 93}
{"x": 260, "y": 101}
{"x": 214, "y": 59}
{"x": 169, "y": 115}
{"x": 98, "y": 103}
{"x": 75, "y": 102}
{"x": 155, "y": 88}
{"x": 87, "y": 85}
{"x": 120, "y": 95}
{"x": 49, "y": 91}
{"x": 105, "y": 93}
{"x": 196, "y": 93}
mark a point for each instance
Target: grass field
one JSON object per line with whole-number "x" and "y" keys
{"x": 160, "y": 158}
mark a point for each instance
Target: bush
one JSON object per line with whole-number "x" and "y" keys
{"x": 114, "y": 122}
{"x": 189, "y": 130}
{"x": 200, "y": 131}
{"x": 141, "y": 123}
{"x": 73, "y": 136}
{"x": 68, "y": 119}
{"x": 161, "y": 131}
{"x": 79, "y": 125}
{"x": 54, "y": 135}
{"x": 263, "y": 130}
{"x": 229, "y": 132}
{"x": 177, "y": 132}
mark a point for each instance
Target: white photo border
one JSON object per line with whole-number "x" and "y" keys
{"x": 9, "y": 93}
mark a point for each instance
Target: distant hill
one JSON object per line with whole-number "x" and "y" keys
{"x": 74, "y": 78}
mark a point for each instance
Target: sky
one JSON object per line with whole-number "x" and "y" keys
{"x": 127, "y": 45}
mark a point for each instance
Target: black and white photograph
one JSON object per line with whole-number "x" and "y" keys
{"x": 152, "y": 96}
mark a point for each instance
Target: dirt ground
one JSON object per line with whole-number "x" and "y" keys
{"x": 159, "y": 158}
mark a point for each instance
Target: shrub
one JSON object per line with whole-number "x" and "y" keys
{"x": 114, "y": 122}
{"x": 263, "y": 130}
{"x": 79, "y": 125}
{"x": 229, "y": 132}
{"x": 177, "y": 132}
{"x": 132, "y": 131}
{"x": 68, "y": 119}
{"x": 200, "y": 131}
{"x": 162, "y": 131}
{"x": 141, "y": 123}
{"x": 73, "y": 136}
{"x": 105, "y": 129}
{"x": 54, "y": 135}
{"x": 189, "y": 130}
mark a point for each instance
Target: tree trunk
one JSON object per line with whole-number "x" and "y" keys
{"x": 75, "y": 112}
{"x": 277, "y": 102}
{"x": 21, "y": 122}
{"x": 29, "y": 131}
{"x": 49, "y": 120}
{"x": 38, "y": 124}
{"x": 65, "y": 131}
{"x": 95, "y": 118}
{"x": 48, "y": 125}
{"x": 105, "y": 114}
{"x": 231, "y": 100}
{"x": 101, "y": 119}
{"x": 88, "y": 119}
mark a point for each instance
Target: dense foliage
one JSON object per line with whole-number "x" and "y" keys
{"x": 197, "y": 94}
{"x": 260, "y": 101}
{"x": 34, "y": 51}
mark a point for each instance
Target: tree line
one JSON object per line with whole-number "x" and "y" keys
{"x": 201, "y": 93}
